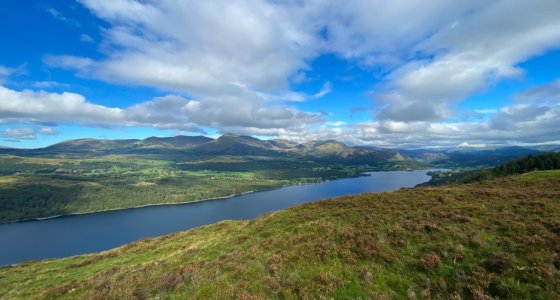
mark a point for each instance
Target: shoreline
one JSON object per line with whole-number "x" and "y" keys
{"x": 296, "y": 185}
{"x": 145, "y": 205}
{"x": 173, "y": 203}
{"x": 187, "y": 202}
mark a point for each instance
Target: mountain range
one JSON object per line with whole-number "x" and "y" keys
{"x": 239, "y": 145}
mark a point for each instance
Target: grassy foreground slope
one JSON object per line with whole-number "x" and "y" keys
{"x": 498, "y": 238}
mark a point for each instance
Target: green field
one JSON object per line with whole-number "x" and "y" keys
{"x": 497, "y": 238}
{"x": 37, "y": 187}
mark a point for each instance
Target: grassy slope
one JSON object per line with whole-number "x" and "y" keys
{"x": 496, "y": 238}
{"x": 545, "y": 161}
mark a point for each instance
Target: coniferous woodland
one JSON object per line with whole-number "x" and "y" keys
{"x": 547, "y": 161}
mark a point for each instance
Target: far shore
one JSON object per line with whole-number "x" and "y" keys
{"x": 169, "y": 203}
{"x": 184, "y": 202}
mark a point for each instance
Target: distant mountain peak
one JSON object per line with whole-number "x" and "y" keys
{"x": 229, "y": 135}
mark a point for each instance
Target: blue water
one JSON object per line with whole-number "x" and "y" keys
{"x": 79, "y": 234}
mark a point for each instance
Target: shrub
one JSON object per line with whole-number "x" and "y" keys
{"x": 431, "y": 261}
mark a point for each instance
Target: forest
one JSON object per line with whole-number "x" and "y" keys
{"x": 547, "y": 161}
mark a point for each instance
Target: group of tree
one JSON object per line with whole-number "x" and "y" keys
{"x": 547, "y": 161}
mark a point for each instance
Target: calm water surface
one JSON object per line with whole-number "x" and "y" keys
{"x": 79, "y": 234}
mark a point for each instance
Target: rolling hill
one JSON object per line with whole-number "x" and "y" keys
{"x": 329, "y": 151}
{"x": 472, "y": 158}
{"x": 227, "y": 144}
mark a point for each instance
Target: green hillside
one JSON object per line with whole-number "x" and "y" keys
{"x": 497, "y": 238}
{"x": 547, "y": 161}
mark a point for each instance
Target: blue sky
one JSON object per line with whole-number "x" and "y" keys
{"x": 402, "y": 74}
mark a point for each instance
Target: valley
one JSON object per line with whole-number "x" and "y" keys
{"x": 265, "y": 149}
{"x": 90, "y": 175}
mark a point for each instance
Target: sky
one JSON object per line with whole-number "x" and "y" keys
{"x": 397, "y": 74}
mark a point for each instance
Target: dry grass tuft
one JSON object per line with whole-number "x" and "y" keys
{"x": 430, "y": 261}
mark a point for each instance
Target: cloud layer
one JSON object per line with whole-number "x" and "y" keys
{"x": 229, "y": 65}
{"x": 169, "y": 112}
{"x": 476, "y": 52}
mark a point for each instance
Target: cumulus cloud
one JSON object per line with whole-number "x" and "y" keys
{"x": 541, "y": 95}
{"x": 470, "y": 55}
{"x": 168, "y": 112}
{"x": 236, "y": 60}
{"x": 512, "y": 125}
{"x": 45, "y": 107}
{"x": 383, "y": 33}
{"x": 15, "y": 134}
{"x": 532, "y": 119}
{"x": 201, "y": 47}
{"x": 19, "y": 134}
{"x": 48, "y": 131}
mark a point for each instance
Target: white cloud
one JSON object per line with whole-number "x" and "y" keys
{"x": 56, "y": 14}
{"x": 517, "y": 124}
{"x": 50, "y": 84}
{"x": 326, "y": 89}
{"x": 44, "y": 107}
{"x": 86, "y": 38}
{"x": 292, "y": 96}
{"x": 169, "y": 112}
{"x": 70, "y": 62}
{"x": 237, "y": 59}
{"x": 61, "y": 17}
{"x": 5, "y": 72}
{"x": 19, "y": 134}
{"x": 270, "y": 41}
{"x": 299, "y": 77}
{"x": 541, "y": 95}
{"x": 476, "y": 52}
{"x": 383, "y": 33}
{"x": 468, "y": 145}
{"x": 48, "y": 131}
{"x": 203, "y": 47}
{"x": 336, "y": 123}
{"x": 486, "y": 111}
{"x": 26, "y": 133}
